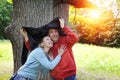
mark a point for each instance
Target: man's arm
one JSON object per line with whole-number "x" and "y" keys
{"x": 71, "y": 37}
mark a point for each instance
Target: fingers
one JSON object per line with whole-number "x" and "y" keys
{"x": 21, "y": 29}
{"x": 62, "y": 49}
{"x": 61, "y": 22}
{"x": 23, "y": 32}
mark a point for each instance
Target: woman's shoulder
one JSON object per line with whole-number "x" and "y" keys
{"x": 38, "y": 51}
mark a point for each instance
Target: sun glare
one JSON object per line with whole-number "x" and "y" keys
{"x": 106, "y": 11}
{"x": 94, "y": 14}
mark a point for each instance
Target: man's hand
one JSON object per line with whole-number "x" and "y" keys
{"x": 62, "y": 22}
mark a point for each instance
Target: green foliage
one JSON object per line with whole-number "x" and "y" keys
{"x": 114, "y": 40}
{"x": 10, "y": 1}
{"x": 5, "y": 16}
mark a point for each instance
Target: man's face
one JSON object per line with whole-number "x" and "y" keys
{"x": 53, "y": 34}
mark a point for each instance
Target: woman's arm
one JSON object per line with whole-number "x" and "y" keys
{"x": 42, "y": 58}
{"x": 26, "y": 39}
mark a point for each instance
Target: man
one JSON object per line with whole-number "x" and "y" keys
{"x": 60, "y": 34}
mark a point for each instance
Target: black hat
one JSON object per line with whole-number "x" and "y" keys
{"x": 36, "y": 32}
{"x": 55, "y": 24}
{"x": 35, "y": 35}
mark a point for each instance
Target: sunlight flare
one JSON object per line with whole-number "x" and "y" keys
{"x": 95, "y": 14}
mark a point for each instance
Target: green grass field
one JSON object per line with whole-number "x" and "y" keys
{"x": 97, "y": 63}
{"x": 93, "y": 62}
{"x": 6, "y": 60}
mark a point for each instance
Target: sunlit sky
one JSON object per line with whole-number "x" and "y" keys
{"x": 106, "y": 5}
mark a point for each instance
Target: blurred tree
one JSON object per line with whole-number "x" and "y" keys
{"x": 5, "y": 16}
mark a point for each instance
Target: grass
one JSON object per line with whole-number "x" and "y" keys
{"x": 5, "y": 50}
{"x": 93, "y": 62}
{"x": 6, "y": 60}
{"x": 97, "y": 63}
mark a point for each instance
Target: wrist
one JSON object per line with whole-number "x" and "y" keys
{"x": 60, "y": 55}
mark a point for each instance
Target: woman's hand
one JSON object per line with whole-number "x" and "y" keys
{"x": 24, "y": 33}
{"x": 61, "y": 50}
{"x": 62, "y": 22}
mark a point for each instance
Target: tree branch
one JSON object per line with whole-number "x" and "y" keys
{"x": 76, "y": 3}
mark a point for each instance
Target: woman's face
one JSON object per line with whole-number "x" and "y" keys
{"x": 47, "y": 42}
{"x": 54, "y": 34}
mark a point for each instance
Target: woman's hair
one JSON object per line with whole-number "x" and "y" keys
{"x": 55, "y": 24}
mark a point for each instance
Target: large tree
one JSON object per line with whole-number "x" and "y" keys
{"x": 34, "y": 13}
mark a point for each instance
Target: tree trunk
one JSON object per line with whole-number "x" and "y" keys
{"x": 31, "y": 13}
{"x": 62, "y": 11}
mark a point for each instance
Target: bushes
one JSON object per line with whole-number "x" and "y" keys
{"x": 114, "y": 41}
{"x": 103, "y": 29}
{"x": 5, "y": 16}
{"x": 103, "y": 35}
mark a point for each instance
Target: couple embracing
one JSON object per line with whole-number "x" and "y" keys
{"x": 50, "y": 46}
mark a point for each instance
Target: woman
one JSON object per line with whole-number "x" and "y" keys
{"x": 38, "y": 58}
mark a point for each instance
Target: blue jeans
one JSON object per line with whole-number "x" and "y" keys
{"x": 19, "y": 77}
{"x": 72, "y": 77}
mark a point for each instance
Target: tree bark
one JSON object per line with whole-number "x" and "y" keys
{"x": 61, "y": 10}
{"x": 31, "y": 13}
{"x": 76, "y": 3}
